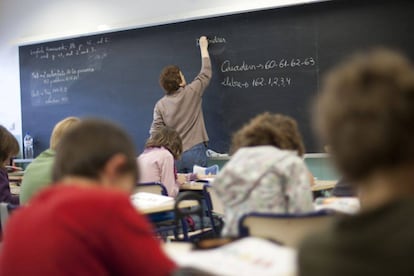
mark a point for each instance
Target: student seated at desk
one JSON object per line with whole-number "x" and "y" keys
{"x": 9, "y": 147}
{"x": 365, "y": 111}
{"x": 157, "y": 162}
{"x": 85, "y": 223}
{"x": 39, "y": 173}
{"x": 266, "y": 172}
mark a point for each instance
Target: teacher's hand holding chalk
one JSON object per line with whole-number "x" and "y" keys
{"x": 203, "y": 42}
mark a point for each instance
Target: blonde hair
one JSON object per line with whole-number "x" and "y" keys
{"x": 60, "y": 129}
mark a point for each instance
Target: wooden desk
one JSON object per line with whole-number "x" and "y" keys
{"x": 166, "y": 207}
{"x": 320, "y": 185}
{"x": 192, "y": 186}
{"x": 16, "y": 177}
{"x": 14, "y": 188}
{"x": 172, "y": 248}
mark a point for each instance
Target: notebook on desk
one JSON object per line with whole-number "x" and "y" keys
{"x": 248, "y": 256}
{"x": 205, "y": 179}
{"x": 144, "y": 200}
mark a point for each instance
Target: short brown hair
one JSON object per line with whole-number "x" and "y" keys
{"x": 365, "y": 112}
{"x": 168, "y": 138}
{"x": 8, "y": 145}
{"x": 269, "y": 129}
{"x": 60, "y": 129}
{"x": 86, "y": 148}
{"x": 170, "y": 79}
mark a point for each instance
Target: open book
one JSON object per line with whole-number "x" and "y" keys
{"x": 147, "y": 200}
{"x": 248, "y": 256}
{"x": 347, "y": 205}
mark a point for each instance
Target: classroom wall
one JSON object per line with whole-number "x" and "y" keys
{"x": 25, "y": 21}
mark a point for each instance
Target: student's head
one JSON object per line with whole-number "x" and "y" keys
{"x": 60, "y": 129}
{"x": 171, "y": 79}
{"x": 269, "y": 129}
{"x": 9, "y": 146}
{"x": 365, "y": 112}
{"x": 168, "y": 138}
{"x": 97, "y": 151}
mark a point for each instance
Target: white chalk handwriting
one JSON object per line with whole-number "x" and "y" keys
{"x": 51, "y": 86}
{"x": 270, "y": 64}
{"x": 212, "y": 40}
{"x": 274, "y": 81}
{"x": 92, "y": 47}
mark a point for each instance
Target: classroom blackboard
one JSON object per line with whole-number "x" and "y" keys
{"x": 268, "y": 60}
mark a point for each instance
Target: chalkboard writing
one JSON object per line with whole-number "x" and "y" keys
{"x": 276, "y": 65}
{"x": 257, "y": 82}
{"x": 227, "y": 66}
{"x": 50, "y": 85}
{"x": 262, "y": 61}
{"x": 212, "y": 40}
{"x": 89, "y": 48}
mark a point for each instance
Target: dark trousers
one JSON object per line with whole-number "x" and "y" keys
{"x": 194, "y": 156}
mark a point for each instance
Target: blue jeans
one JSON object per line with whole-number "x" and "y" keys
{"x": 194, "y": 156}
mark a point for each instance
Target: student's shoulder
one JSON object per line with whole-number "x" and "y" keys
{"x": 165, "y": 153}
{"x": 96, "y": 197}
{"x": 159, "y": 152}
{"x": 292, "y": 165}
{"x": 44, "y": 160}
{"x": 3, "y": 173}
{"x": 107, "y": 196}
{"x": 267, "y": 152}
{"x": 119, "y": 207}
{"x": 270, "y": 156}
{"x": 111, "y": 202}
{"x": 287, "y": 157}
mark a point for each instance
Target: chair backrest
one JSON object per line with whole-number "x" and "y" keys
{"x": 212, "y": 170}
{"x": 287, "y": 229}
{"x": 151, "y": 187}
{"x": 214, "y": 203}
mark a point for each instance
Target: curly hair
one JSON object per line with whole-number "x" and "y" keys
{"x": 269, "y": 129}
{"x": 170, "y": 79}
{"x": 365, "y": 112}
{"x": 8, "y": 145}
{"x": 168, "y": 138}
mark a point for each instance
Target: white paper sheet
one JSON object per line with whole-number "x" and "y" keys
{"x": 148, "y": 200}
{"x": 249, "y": 256}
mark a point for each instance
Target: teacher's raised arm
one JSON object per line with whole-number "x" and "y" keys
{"x": 181, "y": 109}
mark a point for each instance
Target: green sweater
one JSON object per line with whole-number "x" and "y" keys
{"x": 37, "y": 175}
{"x": 379, "y": 242}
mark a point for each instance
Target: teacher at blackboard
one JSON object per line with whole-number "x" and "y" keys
{"x": 181, "y": 109}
